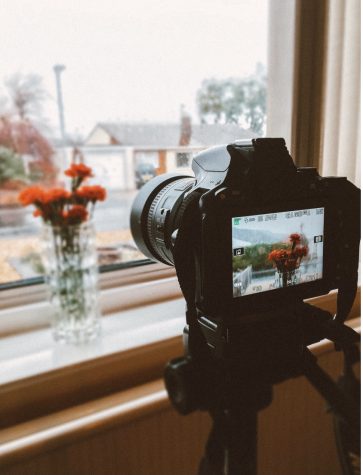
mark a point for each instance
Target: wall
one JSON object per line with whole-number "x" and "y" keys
{"x": 295, "y": 438}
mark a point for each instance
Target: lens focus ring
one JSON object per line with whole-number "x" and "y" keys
{"x": 151, "y": 217}
{"x": 154, "y": 214}
{"x": 162, "y": 217}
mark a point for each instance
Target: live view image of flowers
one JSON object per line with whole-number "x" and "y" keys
{"x": 276, "y": 250}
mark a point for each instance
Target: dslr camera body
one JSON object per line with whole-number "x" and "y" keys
{"x": 251, "y": 236}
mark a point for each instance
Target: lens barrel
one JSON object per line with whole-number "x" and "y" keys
{"x": 154, "y": 214}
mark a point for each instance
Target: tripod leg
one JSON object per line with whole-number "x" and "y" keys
{"x": 232, "y": 444}
{"x": 340, "y": 403}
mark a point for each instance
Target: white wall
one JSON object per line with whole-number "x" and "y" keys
{"x": 113, "y": 166}
{"x": 98, "y": 137}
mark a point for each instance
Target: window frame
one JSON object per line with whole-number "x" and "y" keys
{"x": 136, "y": 272}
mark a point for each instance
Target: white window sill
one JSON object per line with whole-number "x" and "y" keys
{"x": 38, "y": 376}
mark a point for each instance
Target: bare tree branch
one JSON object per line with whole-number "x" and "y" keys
{"x": 27, "y": 94}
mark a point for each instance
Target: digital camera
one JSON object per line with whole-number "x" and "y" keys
{"x": 253, "y": 229}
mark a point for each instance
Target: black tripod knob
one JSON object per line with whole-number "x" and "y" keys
{"x": 182, "y": 383}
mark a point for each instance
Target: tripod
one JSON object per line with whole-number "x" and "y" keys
{"x": 234, "y": 396}
{"x": 231, "y": 364}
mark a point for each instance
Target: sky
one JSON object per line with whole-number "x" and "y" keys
{"x": 313, "y": 224}
{"x": 130, "y": 61}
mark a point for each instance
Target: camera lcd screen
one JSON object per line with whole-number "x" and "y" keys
{"x": 276, "y": 250}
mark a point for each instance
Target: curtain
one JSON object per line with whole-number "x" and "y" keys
{"x": 280, "y": 67}
{"x": 310, "y": 53}
{"x": 341, "y": 134}
{"x": 314, "y": 83}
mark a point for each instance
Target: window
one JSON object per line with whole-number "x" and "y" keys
{"x": 131, "y": 91}
{"x": 142, "y": 91}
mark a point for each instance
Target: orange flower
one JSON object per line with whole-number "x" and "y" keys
{"x": 301, "y": 251}
{"x": 55, "y": 195}
{"x": 31, "y": 195}
{"x": 91, "y": 193}
{"x": 76, "y": 215}
{"x": 79, "y": 170}
{"x": 61, "y": 207}
{"x": 37, "y": 213}
{"x": 277, "y": 255}
{"x": 295, "y": 237}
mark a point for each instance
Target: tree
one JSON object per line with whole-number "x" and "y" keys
{"x": 21, "y": 123}
{"x": 11, "y": 166}
{"x": 234, "y": 100}
{"x": 27, "y": 96}
{"x": 24, "y": 139}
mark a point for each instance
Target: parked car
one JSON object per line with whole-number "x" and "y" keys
{"x": 143, "y": 173}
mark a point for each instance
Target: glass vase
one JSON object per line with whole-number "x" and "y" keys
{"x": 287, "y": 278}
{"x": 71, "y": 273}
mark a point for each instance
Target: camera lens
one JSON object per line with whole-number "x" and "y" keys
{"x": 154, "y": 214}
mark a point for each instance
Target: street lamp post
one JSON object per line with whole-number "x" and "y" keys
{"x": 58, "y": 69}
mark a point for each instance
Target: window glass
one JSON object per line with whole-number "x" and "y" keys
{"x": 131, "y": 89}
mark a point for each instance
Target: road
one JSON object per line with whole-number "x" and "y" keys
{"x": 112, "y": 214}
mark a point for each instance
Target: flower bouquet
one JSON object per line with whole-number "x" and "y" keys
{"x": 69, "y": 253}
{"x": 287, "y": 261}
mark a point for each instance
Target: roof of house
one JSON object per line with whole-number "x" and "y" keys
{"x": 168, "y": 135}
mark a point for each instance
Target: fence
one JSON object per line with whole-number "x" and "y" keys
{"x": 241, "y": 281}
